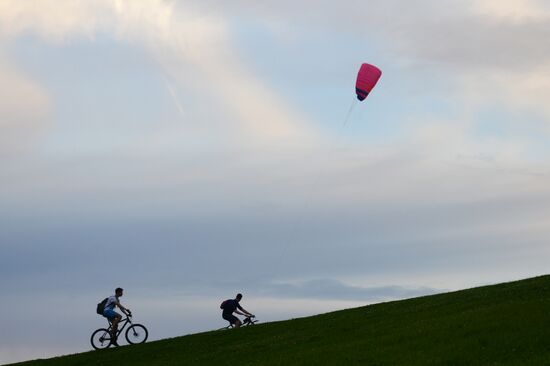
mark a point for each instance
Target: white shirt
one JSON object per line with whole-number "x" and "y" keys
{"x": 111, "y": 302}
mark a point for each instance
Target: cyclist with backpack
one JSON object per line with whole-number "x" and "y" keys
{"x": 231, "y": 306}
{"x": 109, "y": 312}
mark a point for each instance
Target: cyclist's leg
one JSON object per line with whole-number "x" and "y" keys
{"x": 235, "y": 321}
{"x": 114, "y": 318}
{"x": 115, "y": 322}
{"x": 232, "y": 319}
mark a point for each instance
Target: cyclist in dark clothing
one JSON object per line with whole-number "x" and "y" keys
{"x": 232, "y": 306}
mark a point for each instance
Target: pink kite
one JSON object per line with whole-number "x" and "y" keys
{"x": 367, "y": 77}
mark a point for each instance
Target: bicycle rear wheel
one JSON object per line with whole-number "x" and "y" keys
{"x": 136, "y": 333}
{"x": 101, "y": 339}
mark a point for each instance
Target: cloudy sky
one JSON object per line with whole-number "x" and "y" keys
{"x": 189, "y": 150}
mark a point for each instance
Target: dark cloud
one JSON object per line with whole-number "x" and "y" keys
{"x": 331, "y": 289}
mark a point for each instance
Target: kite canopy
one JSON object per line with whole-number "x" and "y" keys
{"x": 367, "y": 77}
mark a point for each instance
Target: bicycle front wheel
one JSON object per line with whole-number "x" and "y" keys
{"x": 101, "y": 339}
{"x": 136, "y": 333}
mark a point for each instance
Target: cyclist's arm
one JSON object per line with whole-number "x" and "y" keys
{"x": 124, "y": 310}
{"x": 244, "y": 311}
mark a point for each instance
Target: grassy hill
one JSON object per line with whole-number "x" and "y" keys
{"x": 505, "y": 324}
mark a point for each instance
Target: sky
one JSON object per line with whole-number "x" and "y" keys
{"x": 190, "y": 150}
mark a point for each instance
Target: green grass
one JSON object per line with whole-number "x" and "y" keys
{"x": 505, "y": 324}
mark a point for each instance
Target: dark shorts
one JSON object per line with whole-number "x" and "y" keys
{"x": 110, "y": 314}
{"x": 230, "y": 318}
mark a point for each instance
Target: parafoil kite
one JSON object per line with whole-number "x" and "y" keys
{"x": 367, "y": 77}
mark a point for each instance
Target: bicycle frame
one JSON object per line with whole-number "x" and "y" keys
{"x": 134, "y": 333}
{"x": 246, "y": 322}
{"x": 121, "y": 325}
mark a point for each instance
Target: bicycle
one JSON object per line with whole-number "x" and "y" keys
{"x": 249, "y": 320}
{"x": 135, "y": 333}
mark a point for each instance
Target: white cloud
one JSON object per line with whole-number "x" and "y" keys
{"x": 460, "y": 33}
{"x": 512, "y": 10}
{"x": 192, "y": 42}
{"x": 184, "y": 41}
{"x": 25, "y": 108}
{"x": 496, "y": 51}
{"x": 56, "y": 21}
{"x": 262, "y": 114}
{"x": 526, "y": 90}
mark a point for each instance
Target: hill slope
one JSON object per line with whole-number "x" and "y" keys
{"x": 506, "y": 324}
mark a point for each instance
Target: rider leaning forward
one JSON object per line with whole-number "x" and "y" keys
{"x": 232, "y": 306}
